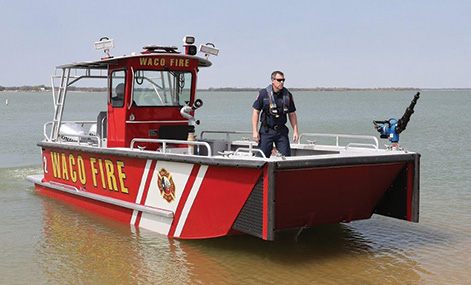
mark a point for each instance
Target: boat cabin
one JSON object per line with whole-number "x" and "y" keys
{"x": 146, "y": 93}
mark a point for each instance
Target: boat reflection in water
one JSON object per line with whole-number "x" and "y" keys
{"x": 82, "y": 247}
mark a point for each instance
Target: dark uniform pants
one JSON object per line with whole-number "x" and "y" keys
{"x": 279, "y": 137}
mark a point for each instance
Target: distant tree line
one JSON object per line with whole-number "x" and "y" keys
{"x": 37, "y": 88}
{"x": 43, "y": 88}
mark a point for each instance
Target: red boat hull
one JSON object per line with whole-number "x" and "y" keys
{"x": 330, "y": 195}
{"x": 184, "y": 199}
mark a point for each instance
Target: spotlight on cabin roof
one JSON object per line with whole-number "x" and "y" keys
{"x": 188, "y": 40}
{"x": 209, "y": 49}
{"x": 105, "y": 44}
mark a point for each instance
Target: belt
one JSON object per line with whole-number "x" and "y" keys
{"x": 276, "y": 127}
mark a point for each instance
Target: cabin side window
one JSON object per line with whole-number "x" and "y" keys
{"x": 154, "y": 88}
{"x": 118, "y": 86}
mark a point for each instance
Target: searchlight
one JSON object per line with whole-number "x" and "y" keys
{"x": 188, "y": 42}
{"x": 209, "y": 49}
{"x": 105, "y": 44}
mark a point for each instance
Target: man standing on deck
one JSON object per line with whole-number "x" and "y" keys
{"x": 274, "y": 103}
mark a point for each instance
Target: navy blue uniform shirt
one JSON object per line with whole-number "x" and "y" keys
{"x": 262, "y": 103}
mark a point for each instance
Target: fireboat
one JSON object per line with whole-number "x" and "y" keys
{"x": 140, "y": 162}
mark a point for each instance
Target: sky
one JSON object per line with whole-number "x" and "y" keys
{"x": 345, "y": 43}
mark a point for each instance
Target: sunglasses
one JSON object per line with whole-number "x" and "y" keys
{"x": 280, "y": 80}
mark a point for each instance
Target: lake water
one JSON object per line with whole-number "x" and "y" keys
{"x": 46, "y": 241}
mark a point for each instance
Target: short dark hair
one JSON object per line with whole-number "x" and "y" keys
{"x": 274, "y": 73}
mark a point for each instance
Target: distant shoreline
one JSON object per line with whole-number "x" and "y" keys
{"x": 43, "y": 88}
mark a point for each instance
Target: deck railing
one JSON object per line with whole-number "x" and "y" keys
{"x": 80, "y": 138}
{"x": 227, "y": 133}
{"x": 165, "y": 142}
{"x": 339, "y": 136}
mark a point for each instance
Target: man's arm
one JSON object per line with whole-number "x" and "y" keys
{"x": 293, "y": 118}
{"x": 255, "y": 117}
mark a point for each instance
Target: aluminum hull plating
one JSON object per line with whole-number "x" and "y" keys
{"x": 194, "y": 197}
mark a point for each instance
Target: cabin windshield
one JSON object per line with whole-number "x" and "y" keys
{"x": 154, "y": 88}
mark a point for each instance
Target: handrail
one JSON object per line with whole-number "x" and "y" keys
{"x": 338, "y": 136}
{"x": 72, "y": 135}
{"x": 164, "y": 143}
{"x": 102, "y": 127}
{"x": 87, "y": 74}
{"x": 82, "y": 136}
{"x": 361, "y": 144}
{"x": 45, "y": 130}
{"x": 79, "y": 122}
{"x": 250, "y": 150}
{"x": 228, "y": 135}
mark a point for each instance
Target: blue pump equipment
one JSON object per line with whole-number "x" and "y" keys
{"x": 390, "y": 129}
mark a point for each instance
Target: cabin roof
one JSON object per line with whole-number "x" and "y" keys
{"x": 104, "y": 63}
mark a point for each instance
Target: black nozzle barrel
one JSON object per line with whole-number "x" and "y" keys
{"x": 379, "y": 124}
{"x": 402, "y": 123}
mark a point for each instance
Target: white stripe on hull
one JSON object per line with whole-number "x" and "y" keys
{"x": 141, "y": 190}
{"x": 191, "y": 199}
{"x": 180, "y": 173}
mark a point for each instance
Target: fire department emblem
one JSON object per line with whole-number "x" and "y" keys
{"x": 166, "y": 185}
